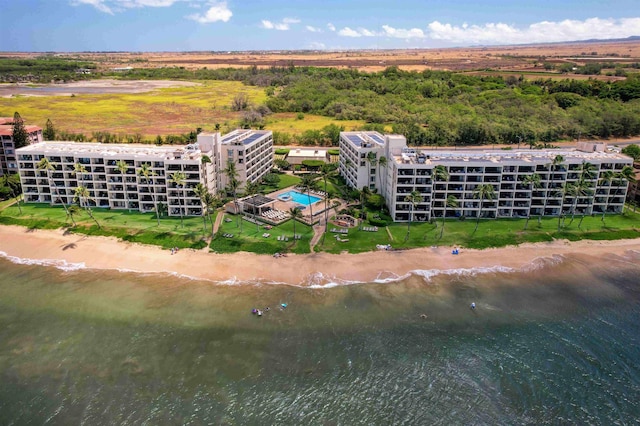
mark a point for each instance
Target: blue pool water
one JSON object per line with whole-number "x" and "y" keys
{"x": 300, "y": 198}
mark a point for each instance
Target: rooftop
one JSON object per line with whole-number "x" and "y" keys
{"x": 7, "y": 130}
{"x": 258, "y": 200}
{"x": 414, "y": 156}
{"x": 316, "y": 153}
{"x": 243, "y": 136}
{"x": 187, "y": 152}
{"x": 364, "y": 139}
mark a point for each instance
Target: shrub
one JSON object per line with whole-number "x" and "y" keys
{"x": 377, "y": 222}
{"x": 282, "y": 151}
{"x": 312, "y": 164}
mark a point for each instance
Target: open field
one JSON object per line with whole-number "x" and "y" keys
{"x": 518, "y": 57}
{"x": 157, "y": 111}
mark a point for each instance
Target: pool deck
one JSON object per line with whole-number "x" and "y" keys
{"x": 286, "y": 205}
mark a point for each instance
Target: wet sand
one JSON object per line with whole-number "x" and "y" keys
{"x": 110, "y": 254}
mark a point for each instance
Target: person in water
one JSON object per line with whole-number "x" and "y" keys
{"x": 473, "y": 305}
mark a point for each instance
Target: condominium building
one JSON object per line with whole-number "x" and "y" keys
{"x": 409, "y": 170}
{"x": 112, "y": 174}
{"x": 8, "y": 160}
{"x": 129, "y": 188}
{"x": 250, "y": 150}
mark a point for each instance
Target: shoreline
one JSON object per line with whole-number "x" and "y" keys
{"x": 107, "y": 253}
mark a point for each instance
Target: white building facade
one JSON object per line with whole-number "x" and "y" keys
{"x": 409, "y": 170}
{"x": 110, "y": 188}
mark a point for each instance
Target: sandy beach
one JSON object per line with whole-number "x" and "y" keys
{"x": 109, "y": 253}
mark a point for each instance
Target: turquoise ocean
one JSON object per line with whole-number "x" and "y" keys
{"x": 557, "y": 342}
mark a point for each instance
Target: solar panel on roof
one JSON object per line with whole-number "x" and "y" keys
{"x": 355, "y": 139}
{"x": 252, "y": 138}
{"x": 377, "y": 138}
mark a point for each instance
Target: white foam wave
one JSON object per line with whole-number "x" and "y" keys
{"x": 317, "y": 280}
{"x": 543, "y": 262}
{"x": 63, "y": 265}
{"x": 428, "y": 274}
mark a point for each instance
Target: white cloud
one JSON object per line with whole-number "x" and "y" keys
{"x": 360, "y": 32}
{"x": 216, "y": 12}
{"x": 316, "y": 45}
{"x": 331, "y": 26}
{"x": 283, "y": 25}
{"x": 402, "y": 33}
{"x": 98, "y": 4}
{"x": 539, "y": 32}
{"x": 313, "y": 29}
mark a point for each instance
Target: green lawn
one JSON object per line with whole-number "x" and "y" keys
{"x": 129, "y": 226}
{"x": 251, "y": 239}
{"x": 142, "y": 228}
{"x": 490, "y": 233}
{"x": 285, "y": 181}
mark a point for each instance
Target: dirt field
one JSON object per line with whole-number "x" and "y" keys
{"x": 96, "y": 87}
{"x": 517, "y": 58}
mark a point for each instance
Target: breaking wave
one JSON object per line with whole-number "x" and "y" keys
{"x": 317, "y": 280}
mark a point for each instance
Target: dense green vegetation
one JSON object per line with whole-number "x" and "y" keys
{"x": 444, "y": 108}
{"x": 430, "y": 107}
{"x": 43, "y": 69}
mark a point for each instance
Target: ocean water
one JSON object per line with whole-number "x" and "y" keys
{"x": 557, "y": 342}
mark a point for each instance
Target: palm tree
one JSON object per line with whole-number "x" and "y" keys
{"x": 308, "y": 184}
{"x": 382, "y": 165}
{"x": 372, "y": 159}
{"x": 13, "y": 183}
{"x": 627, "y": 174}
{"x": 326, "y": 171}
{"x": 123, "y": 167}
{"x": 452, "y": 202}
{"x": 605, "y": 180}
{"x": 581, "y": 188}
{"x": 252, "y": 188}
{"x": 557, "y": 160}
{"x": 146, "y": 173}
{"x": 79, "y": 170}
{"x": 414, "y": 199}
{"x": 46, "y": 165}
{"x": 564, "y": 190}
{"x": 532, "y": 181}
{"x": 201, "y": 191}
{"x": 440, "y": 174}
{"x": 72, "y": 211}
{"x": 178, "y": 179}
{"x": 296, "y": 214}
{"x": 82, "y": 197}
{"x": 484, "y": 192}
{"x": 232, "y": 176}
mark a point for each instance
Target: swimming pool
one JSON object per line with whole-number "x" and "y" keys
{"x": 298, "y": 197}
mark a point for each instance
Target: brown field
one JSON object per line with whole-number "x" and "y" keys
{"x": 521, "y": 58}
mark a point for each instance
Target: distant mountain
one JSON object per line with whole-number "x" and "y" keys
{"x": 608, "y": 40}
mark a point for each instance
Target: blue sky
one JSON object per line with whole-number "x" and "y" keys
{"x": 179, "y": 25}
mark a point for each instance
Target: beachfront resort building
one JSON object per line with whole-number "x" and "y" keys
{"x": 8, "y": 159}
{"x": 250, "y": 150}
{"x": 407, "y": 171}
{"x": 113, "y": 173}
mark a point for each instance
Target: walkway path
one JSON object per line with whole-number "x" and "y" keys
{"x": 216, "y": 224}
